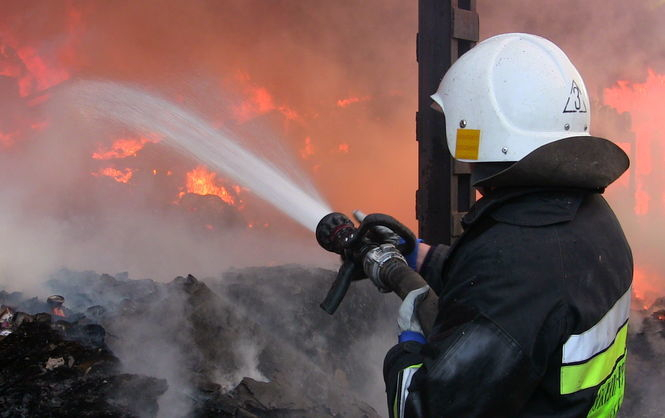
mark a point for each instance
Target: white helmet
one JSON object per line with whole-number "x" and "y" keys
{"x": 510, "y": 95}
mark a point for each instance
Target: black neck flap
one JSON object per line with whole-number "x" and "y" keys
{"x": 584, "y": 162}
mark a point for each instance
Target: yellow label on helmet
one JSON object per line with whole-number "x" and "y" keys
{"x": 467, "y": 144}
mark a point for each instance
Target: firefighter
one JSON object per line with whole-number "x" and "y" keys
{"x": 534, "y": 297}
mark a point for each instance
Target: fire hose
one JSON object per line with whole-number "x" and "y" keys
{"x": 338, "y": 234}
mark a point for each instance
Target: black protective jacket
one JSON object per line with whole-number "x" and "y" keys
{"x": 533, "y": 309}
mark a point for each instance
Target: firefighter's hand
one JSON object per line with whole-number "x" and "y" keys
{"x": 377, "y": 261}
{"x": 384, "y": 235}
{"x": 407, "y": 318}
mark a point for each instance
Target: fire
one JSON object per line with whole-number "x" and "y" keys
{"x": 343, "y": 148}
{"x": 647, "y": 284}
{"x": 39, "y": 75}
{"x": 122, "y": 148}
{"x": 351, "y": 100}
{"x": 308, "y": 149}
{"x": 204, "y": 182}
{"x": 121, "y": 176}
{"x": 645, "y": 104}
{"x": 35, "y": 68}
{"x": 258, "y": 101}
{"x": 7, "y": 138}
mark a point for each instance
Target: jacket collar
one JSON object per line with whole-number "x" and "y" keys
{"x": 532, "y": 206}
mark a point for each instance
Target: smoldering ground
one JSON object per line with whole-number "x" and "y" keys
{"x": 252, "y": 325}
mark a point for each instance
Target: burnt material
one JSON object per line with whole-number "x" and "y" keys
{"x": 644, "y": 368}
{"x": 45, "y": 375}
{"x": 446, "y": 30}
{"x": 255, "y": 344}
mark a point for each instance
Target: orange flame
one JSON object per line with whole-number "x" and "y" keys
{"x": 351, "y": 100}
{"x": 645, "y": 104}
{"x": 40, "y": 75}
{"x": 343, "y": 148}
{"x": 308, "y": 149}
{"x": 117, "y": 175}
{"x": 204, "y": 182}
{"x": 258, "y": 101}
{"x": 122, "y": 148}
{"x": 7, "y": 139}
{"x": 647, "y": 284}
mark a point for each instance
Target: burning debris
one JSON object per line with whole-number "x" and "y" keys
{"x": 6, "y": 320}
{"x": 229, "y": 352}
{"x": 253, "y": 343}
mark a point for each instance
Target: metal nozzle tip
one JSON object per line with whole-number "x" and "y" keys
{"x": 359, "y": 215}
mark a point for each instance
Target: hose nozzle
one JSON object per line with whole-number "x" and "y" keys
{"x": 335, "y": 231}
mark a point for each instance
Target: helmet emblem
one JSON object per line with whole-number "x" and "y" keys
{"x": 575, "y": 103}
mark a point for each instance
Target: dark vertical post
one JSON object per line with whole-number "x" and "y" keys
{"x": 446, "y": 29}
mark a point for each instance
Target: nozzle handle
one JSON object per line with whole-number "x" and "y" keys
{"x": 379, "y": 220}
{"x": 347, "y": 272}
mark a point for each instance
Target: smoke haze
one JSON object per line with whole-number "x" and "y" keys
{"x": 324, "y": 90}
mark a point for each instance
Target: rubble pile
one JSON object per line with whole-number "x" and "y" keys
{"x": 46, "y": 373}
{"x": 645, "y": 373}
{"x": 254, "y": 343}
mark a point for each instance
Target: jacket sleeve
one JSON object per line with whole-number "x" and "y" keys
{"x": 400, "y": 365}
{"x": 495, "y": 332}
{"x": 474, "y": 369}
{"x": 432, "y": 267}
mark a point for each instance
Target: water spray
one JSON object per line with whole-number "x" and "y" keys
{"x": 192, "y": 135}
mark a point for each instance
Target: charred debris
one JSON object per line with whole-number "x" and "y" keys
{"x": 253, "y": 343}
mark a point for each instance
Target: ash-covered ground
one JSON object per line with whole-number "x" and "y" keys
{"x": 252, "y": 343}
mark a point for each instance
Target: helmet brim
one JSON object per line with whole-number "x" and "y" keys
{"x": 585, "y": 162}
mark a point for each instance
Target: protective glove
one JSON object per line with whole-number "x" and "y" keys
{"x": 376, "y": 262}
{"x": 407, "y": 318}
{"x": 385, "y": 235}
{"x": 379, "y": 234}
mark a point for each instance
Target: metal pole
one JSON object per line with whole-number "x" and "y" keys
{"x": 446, "y": 29}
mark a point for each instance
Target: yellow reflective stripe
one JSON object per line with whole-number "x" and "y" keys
{"x": 610, "y": 394}
{"x": 402, "y": 390}
{"x": 591, "y": 373}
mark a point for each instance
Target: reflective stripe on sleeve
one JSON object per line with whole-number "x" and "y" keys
{"x": 404, "y": 380}
{"x": 591, "y": 357}
{"x": 594, "y": 371}
{"x": 583, "y": 346}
